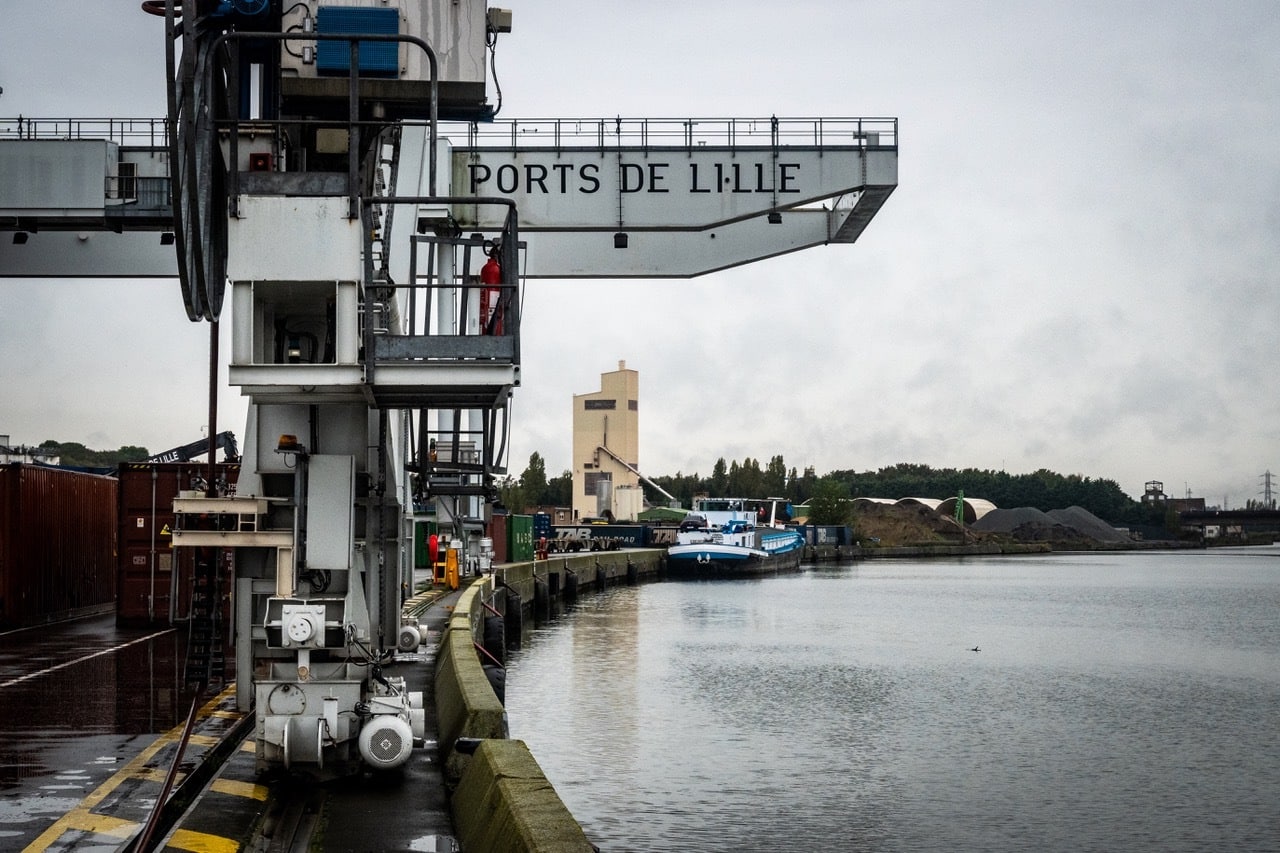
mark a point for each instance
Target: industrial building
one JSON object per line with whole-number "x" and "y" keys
{"x": 606, "y": 448}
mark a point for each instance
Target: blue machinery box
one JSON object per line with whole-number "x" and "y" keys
{"x": 377, "y": 58}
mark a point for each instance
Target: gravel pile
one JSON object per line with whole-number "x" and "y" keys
{"x": 1088, "y": 524}
{"x": 1074, "y": 525}
{"x": 1005, "y": 520}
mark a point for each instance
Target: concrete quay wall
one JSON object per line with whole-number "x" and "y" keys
{"x": 499, "y": 797}
{"x": 503, "y": 802}
{"x": 564, "y": 576}
{"x": 466, "y": 706}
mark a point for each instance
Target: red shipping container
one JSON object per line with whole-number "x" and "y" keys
{"x": 498, "y": 533}
{"x": 57, "y": 544}
{"x": 148, "y": 589}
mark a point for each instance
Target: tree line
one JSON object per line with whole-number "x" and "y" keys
{"x": 73, "y": 454}
{"x": 1043, "y": 489}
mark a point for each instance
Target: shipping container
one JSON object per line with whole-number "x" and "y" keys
{"x": 498, "y": 526}
{"x": 519, "y": 538}
{"x": 557, "y": 514}
{"x": 626, "y": 535}
{"x": 149, "y": 587}
{"x": 826, "y": 535}
{"x": 57, "y": 544}
{"x": 660, "y": 535}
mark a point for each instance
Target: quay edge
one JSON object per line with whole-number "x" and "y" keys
{"x": 499, "y": 796}
{"x": 582, "y": 572}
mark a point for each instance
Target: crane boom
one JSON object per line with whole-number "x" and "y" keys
{"x": 225, "y": 441}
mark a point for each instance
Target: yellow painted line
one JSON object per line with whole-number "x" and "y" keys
{"x": 201, "y": 842}
{"x": 155, "y": 774}
{"x": 102, "y": 824}
{"x": 82, "y": 818}
{"x": 241, "y": 789}
{"x": 248, "y": 746}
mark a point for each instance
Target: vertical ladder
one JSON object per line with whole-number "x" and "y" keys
{"x": 206, "y": 662}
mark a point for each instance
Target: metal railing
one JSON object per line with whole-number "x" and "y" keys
{"x": 149, "y": 132}
{"x": 353, "y": 123}
{"x": 497, "y": 338}
{"x": 680, "y": 132}
{"x": 145, "y": 192}
{"x": 540, "y": 132}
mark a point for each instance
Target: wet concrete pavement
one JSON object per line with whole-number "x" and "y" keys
{"x": 78, "y": 701}
{"x": 90, "y": 716}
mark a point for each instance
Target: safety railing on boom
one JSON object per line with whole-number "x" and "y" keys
{"x": 645, "y": 133}
{"x": 533, "y": 132}
{"x": 129, "y": 199}
{"x": 140, "y": 132}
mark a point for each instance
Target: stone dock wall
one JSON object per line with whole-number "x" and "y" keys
{"x": 499, "y": 797}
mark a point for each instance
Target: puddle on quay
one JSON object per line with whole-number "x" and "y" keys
{"x": 64, "y": 732}
{"x": 139, "y": 689}
{"x": 23, "y": 809}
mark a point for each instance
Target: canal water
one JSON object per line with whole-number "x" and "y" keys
{"x": 1056, "y": 702}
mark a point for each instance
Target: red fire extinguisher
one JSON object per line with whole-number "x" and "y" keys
{"x": 491, "y": 279}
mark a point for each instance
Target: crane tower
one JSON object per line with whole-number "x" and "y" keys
{"x": 338, "y": 170}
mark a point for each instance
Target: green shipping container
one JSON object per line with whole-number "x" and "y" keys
{"x": 520, "y": 538}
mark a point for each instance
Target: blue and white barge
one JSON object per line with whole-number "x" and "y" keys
{"x": 735, "y": 536}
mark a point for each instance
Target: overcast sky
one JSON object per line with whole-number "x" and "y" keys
{"x": 1078, "y": 271}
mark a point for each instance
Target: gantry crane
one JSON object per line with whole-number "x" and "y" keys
{"x": 339, "y": 167}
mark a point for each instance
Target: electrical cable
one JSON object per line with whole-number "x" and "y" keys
{"x": 296, "y": 28}
{"x": 156, "y": 7}
{"x": 371, "y": 659}
{"x": 319, "y": 579}
{"x": 491, "y": 40}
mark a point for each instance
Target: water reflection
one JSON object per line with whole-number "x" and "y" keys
{"x": 1118, "y": 702}
{"x": 132, "y": 690}
{"x": 78, "y": 701}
